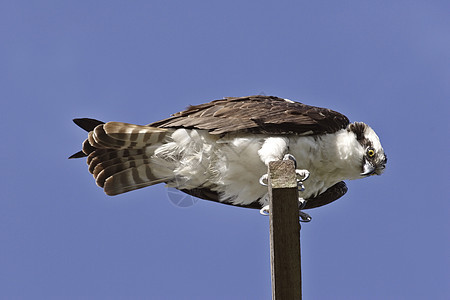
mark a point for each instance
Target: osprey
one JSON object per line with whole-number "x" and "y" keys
{"x": 219, "y": 150}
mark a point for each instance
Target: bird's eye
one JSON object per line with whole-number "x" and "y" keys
{"x": 370, "y": 152}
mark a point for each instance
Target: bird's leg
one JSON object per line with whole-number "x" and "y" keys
{"x": 273, "y": 149}
{"x": 276, "y": 148}
{"x": 302, "y": 175}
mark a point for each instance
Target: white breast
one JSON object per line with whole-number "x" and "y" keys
{"x": 232, "y": 165}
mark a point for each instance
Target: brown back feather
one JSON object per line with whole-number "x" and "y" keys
{"x": 257, "y": 114}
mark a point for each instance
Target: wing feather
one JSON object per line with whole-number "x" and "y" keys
{"x": 256, "y": 114}
{"x": 332, "y": 194}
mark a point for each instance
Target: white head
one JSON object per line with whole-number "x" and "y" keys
{"x": 373, "y": 160}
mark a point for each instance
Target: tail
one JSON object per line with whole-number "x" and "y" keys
{"x": 118, "y": 154}
{"x": 88, "y": 125}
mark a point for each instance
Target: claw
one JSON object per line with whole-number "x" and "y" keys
{"x": 264, "y": 180}
{"x": 290, "y": 157}
{"x": 264, "y": 211}
{"x": 301, "y": 203}
{"x": 304, "y": 176}
{"x": 302, "y": 173}
{"x": 300, "y": 186}
{"x": 304, "y": 217}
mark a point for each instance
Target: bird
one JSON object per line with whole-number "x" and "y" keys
{"x": 220, "y": 151}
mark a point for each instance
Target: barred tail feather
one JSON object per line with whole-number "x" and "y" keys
{"x": 109, "y": 157}
{"x": 102, "y": 173}
{"x": 96, "y": 168}
{"x": 130, "y": 179}
{"x": 87, "y": 148}
{"x": 119, "y": 154}
{"x": 113, "y": 157}
{"x": 116, "y": 135}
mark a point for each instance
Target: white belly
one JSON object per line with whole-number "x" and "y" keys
{"x": 232, "y": 165}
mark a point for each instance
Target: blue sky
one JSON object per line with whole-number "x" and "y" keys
{"x": 386, "y": 63}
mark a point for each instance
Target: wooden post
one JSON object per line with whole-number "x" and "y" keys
{"x": 284, "y": 231}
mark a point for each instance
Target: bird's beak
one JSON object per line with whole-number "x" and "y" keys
{"x": 368, "y": 169}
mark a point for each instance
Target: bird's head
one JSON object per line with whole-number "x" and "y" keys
{"x": 373, "y": 159}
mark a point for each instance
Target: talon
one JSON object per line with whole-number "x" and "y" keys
{"x": 302, "y": 173}
{"x": 290, "y": 157}
{"x": 266, "y": 178}
{"x": 301, "y": 203}
{"x": 305, "y": 175}
{"x": 300, "y": 186}
{"x": 304, "y": 217}
{"x": 264, "y": 211}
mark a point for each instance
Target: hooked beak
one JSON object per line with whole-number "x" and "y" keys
{"x": 368, "y": 169}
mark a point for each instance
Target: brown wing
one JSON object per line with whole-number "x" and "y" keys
{"x": 332, "y": 194}
{"x": 257, "y": 114}
{"x": 207, "y": 194}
